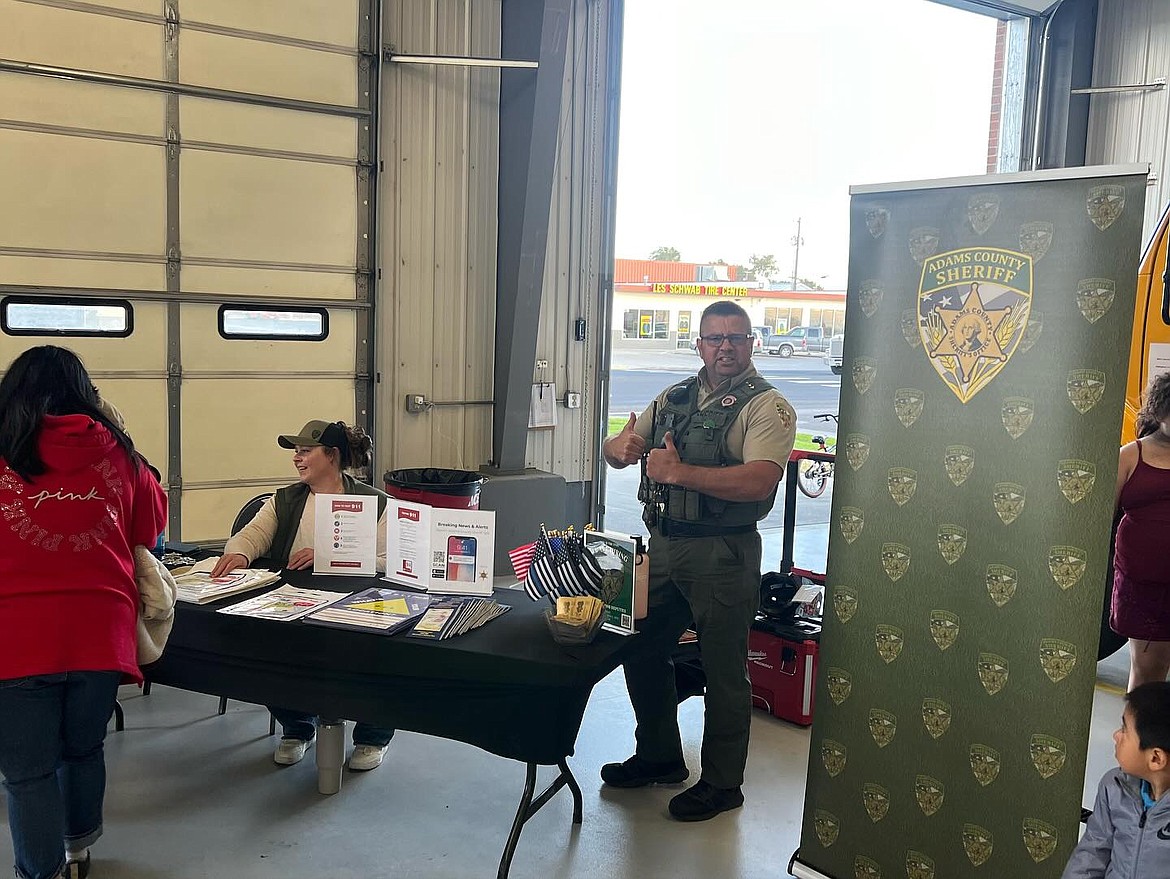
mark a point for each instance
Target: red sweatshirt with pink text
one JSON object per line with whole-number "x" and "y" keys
{"x": 68, "y": 598}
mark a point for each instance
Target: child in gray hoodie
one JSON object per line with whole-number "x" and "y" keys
{"x": 1128, "y": 836}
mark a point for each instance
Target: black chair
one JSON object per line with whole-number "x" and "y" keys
{"x": 246, "y": 514}
{"x": 119, "y": 717}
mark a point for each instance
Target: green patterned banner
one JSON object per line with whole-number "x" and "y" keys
{"x": 985, "y": 359}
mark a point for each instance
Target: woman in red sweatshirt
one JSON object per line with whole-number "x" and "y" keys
{"x": 75, "y": 498}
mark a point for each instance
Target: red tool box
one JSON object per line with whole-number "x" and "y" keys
{"x": 782, "y": 665}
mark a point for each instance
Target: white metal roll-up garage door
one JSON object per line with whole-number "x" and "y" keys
{"x": 182, "y": 156}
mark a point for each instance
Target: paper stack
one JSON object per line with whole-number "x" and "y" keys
{"x": 282, "y": 604}
{"x": 375, "y": 610}
{"x": 577, "y": 619}
{"x": 454, "y": 616}
{"x": 197, "y": 586}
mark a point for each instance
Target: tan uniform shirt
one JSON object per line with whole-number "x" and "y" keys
{"x": 765, "y": 429}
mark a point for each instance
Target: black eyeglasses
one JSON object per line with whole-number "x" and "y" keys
{"x": 716, "y": 340}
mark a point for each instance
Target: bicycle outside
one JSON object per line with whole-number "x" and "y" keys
{"x": 813, "y": 476}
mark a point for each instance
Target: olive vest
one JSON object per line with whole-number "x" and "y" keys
{"x": 700, "y": 435}
{"x": 290, "y": 506}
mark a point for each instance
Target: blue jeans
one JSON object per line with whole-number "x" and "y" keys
{"x": 52, "y": 730}
{"x": 298, "y": 725}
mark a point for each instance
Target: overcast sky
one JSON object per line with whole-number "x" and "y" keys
{"x": 742, "y": 115}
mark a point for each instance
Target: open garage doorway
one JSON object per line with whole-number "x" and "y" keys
{"x": 743, "y": 124}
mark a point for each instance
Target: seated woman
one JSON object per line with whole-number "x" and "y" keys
{"x": 282, "y": 532}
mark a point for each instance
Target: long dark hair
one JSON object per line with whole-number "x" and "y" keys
{"x": 1155, "y": 405}
{"x": 46, "y": 380}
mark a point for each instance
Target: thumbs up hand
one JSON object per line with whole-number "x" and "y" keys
{"x": 663, "y": 464}
{"x": 627, "y": 446}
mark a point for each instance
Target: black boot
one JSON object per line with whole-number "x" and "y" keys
{"x": 704, "y": 801}
{"x": 636, "y": 772}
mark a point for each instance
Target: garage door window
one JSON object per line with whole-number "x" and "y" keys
{"x": 35, "y": 316}
{"x": 301, "y": 324}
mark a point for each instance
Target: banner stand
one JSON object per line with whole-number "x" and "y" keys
{"x": 984, "y": 376}
{"x": 801, "y": 871}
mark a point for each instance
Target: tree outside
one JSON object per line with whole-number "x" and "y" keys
{"x": 763, "y": 266}
{"x": 666, "y": 254}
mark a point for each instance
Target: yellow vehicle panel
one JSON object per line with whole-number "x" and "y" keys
{"x": 1150, "y": 345}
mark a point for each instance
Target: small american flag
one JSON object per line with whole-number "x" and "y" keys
{"x": 521, "y": 558}
{"x": 558, "y": 566}
{"x": 568, "y": 582}
{"x": 534, "y": 584}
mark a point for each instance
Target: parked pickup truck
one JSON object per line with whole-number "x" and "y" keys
{"x": 833, "y": 356}
{"x": 799, "y": 340}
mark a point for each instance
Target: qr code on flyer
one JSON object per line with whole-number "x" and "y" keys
{"x": 438, "y": 559}
{"x": 626, "y": 621}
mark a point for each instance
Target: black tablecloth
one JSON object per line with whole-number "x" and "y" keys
{"x": 506, "y": 687}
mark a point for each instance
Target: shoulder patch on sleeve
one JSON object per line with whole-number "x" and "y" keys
{"x": 785, "y": 414}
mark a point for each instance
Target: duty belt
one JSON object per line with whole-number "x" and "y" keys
{"x": 672, "y": 528}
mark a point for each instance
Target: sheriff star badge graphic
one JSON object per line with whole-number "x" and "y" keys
{"x": 973, "y": 307}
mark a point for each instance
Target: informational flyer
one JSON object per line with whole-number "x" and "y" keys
{"x": 282, "y": 604}
{"x": 408, "y": 543}
{"x": 1159, "y": 358}
{"x": 617, "y": 555}
{"x": 345, "y": 536}
{"x": 462, "y": 551}
{"x": 440, "y": 550}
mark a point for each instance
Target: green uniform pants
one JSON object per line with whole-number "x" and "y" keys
{"x": 714, "y": 584}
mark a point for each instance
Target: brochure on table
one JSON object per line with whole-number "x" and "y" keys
{"x": 440, "y": 550}
{"x": 197, "y": 586}
{"x": 377, "y": 609}
{"x": 617, "y": 555}
{"x": 455, "y": 616}
{"x": 283, "y": 604}
{"x": 345, "y": 537}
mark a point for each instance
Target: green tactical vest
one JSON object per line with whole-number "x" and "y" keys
{"x": 700, "y": 435}
{"x": 290, "y": 506}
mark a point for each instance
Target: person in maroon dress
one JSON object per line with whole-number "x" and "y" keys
{"x": 1141, "y": 573}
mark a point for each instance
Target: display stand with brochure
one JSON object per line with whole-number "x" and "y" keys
{"x": 622, "y": 589}
{"x": 440, "y": 550}
{"x": 408, "y": 543}
{"x": 345, "y": 537}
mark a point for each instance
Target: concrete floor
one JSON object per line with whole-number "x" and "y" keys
{"x": 196, "y": 796}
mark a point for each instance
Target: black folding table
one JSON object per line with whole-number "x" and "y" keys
{"x": 506, "y": 687}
